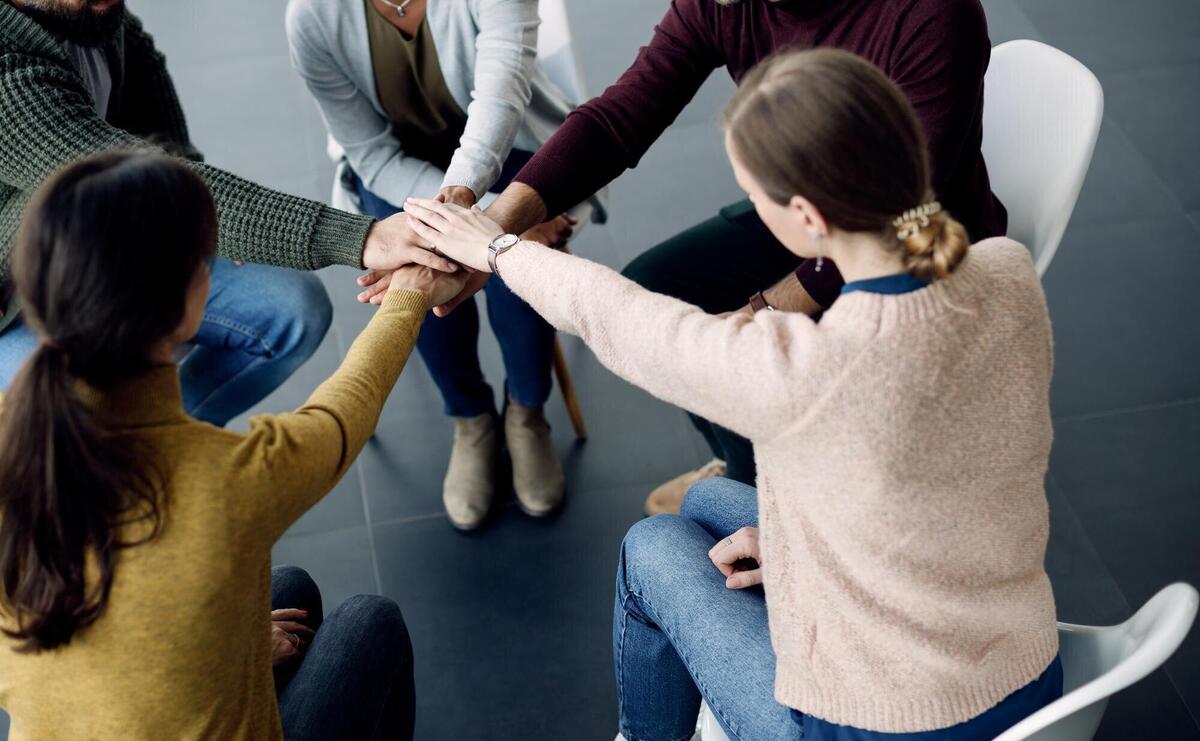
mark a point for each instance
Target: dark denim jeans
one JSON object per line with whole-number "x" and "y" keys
{"x": 355, "y": 681}
{"x": 449, "y": 345}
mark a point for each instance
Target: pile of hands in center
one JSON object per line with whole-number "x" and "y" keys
{"x": 439, "y": 247}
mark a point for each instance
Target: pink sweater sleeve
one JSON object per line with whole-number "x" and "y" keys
{"x": 739, "y": 372}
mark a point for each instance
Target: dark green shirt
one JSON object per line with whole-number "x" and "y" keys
{"x": 48, "y": 120}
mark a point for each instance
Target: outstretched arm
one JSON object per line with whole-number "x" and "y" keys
{"x": 304, "y": 453}
{"x": 734, "y": 370}
{"x": 609, "y": 134}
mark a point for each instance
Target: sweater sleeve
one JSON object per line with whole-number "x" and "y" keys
{"x": 736, "y": 371}
{"x": 365, "y": 135}
{"x": 301, "y": 455}
{"x": 609, "y": 134}
{"x": 47, "y": 120}
{"x": 505, "y": 53}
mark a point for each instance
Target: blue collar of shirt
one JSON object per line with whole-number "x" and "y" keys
{"x": 898, "y": 283}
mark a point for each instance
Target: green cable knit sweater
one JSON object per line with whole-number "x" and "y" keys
{"x": 48, "y": 119}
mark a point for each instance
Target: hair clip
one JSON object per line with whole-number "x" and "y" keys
{"x": 915, "y": 219}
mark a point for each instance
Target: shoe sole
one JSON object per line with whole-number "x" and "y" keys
{"x": 536, "y": 514}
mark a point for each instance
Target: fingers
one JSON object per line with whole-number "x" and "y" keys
{"x": 433, "y": 217}
{"x": 371, "y": 277}
{"x": 377, "y": 291}
{"x": 425, "y": 231}
{"x": 473, "y": 285}
{"x": 744, "y": 579}
{"x": 288, "y": 614}
{"x": 300, "y": 630}
{"x": 377, "y": 288}
{"x": 444, "y": 210}
{"x": 727, "y": 552}
{"x": 427, "y": 258}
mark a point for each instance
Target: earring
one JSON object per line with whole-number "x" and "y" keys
{"x": 820, "y": 256}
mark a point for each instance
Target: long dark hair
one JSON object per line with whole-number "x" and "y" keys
{"x": 103, "y": 262}
{"x": 830, "y": 126}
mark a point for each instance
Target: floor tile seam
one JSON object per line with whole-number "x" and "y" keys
{"x": 1107, "y": 571}
{"x": 1116, "y": 125}
{"x": 1129, "y": 610}
{"x": 1127, "y": 70}
{"x": 1070, "y": 419}
{"x": 362, "y": 487}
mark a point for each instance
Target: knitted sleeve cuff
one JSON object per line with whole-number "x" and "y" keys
{"x": 338, "y": 238}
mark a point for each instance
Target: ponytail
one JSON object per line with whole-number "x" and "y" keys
{"x": 65, "y": 486}
{"x": 96, "y": 284}
{"x": 933, "y": 243}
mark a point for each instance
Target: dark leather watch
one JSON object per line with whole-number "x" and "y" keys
{"x": 758, "y": 302}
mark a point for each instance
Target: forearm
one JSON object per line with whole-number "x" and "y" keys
{"x": 306, "y": 452}
{"x": 518, "y": 209}
{"x": 806, "y": 290}
{"x": 708, "y": 365}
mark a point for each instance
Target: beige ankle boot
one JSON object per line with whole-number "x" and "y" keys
{"x": 537, "y": 476}
{"x": 470, "y": 483}
{"x": 668, "y": 498}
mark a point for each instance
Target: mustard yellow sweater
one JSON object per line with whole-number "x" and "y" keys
{"x": 182, "y": 650}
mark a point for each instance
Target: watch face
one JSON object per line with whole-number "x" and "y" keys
{"x": 504, "y": 241}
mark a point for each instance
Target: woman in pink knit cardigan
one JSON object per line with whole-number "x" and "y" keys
{"x": 899, "y": 526}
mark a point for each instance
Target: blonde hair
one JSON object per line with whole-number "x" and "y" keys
{"x": 830, "y": 126}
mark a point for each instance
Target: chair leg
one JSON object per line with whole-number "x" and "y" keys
{"x": 567, "y": 386}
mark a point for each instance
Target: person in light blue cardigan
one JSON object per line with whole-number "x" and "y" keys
{"x": 445, "y": 98}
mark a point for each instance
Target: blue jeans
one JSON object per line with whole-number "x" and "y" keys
{"x": 355, "y": 681}
{"x": 449, "y": 345}
{"x": 260, "y": 324}
{"x": 679, "y": 633}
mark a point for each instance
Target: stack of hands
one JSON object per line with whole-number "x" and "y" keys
{"x": 439, "y": 248}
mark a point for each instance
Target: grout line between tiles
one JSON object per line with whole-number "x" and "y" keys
{"x": 1129, "y": 607}
{"x": 1091, "y": 416}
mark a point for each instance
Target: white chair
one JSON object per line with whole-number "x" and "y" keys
{"x": 1098, "y": 662}
{"x": 1041, "y": 116}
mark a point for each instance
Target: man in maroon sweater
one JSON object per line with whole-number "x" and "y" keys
{"x": 936, "y": 50}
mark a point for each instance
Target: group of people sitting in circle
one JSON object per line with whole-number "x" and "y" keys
{"x": 866, "y": 353}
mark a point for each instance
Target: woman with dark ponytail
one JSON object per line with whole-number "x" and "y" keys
{"x": 135, "y": 581}
{"x": 901, "y": 443}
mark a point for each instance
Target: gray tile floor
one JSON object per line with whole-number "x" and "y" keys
{"x": 511, "y": 626}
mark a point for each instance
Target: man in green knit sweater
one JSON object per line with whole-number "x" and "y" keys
{"x": 81, "y": 76}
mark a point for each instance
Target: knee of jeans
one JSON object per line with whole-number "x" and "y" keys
{"x": 293, "y": 585}
{"x": 649, "y": 548}
{"x": 700, "y": 500}
{"x": 307, "y": 313}
{"x": 371, "y": 614}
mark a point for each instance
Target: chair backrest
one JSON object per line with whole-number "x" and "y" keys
{"x": 556, "y": 50}
{"x": 1041, "y": 116}
{"x": 1099, "y": 662}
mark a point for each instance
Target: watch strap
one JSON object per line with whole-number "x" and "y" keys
{"x": 758, "y": 302}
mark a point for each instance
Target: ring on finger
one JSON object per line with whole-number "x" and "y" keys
{"x": 295, "y": 639}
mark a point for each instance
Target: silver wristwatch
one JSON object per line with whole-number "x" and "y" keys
{"x": 499, "y": 246}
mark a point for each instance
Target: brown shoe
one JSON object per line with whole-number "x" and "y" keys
{"x": 470, "y": 484}
{"x": 538, "y": 479}
{"x": 668, "y": 498}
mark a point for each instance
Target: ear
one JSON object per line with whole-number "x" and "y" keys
{"x": 809, "y": 216}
